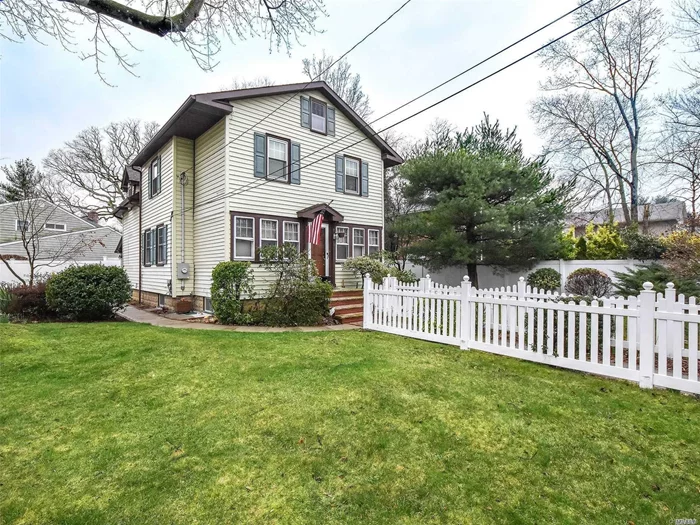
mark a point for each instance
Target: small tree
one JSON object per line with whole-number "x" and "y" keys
{"x": 683, "y": 253}
{"x": 23, "y": 181}
{"x": 604, "y": 242}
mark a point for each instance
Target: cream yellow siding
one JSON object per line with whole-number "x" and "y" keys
{"x": 155, "y": 211}
{"x": 210, "y": 217}
{"x": 183, "y": 150}
{"x": 131, "y": 256}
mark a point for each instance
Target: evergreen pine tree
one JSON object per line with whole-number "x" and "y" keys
{"x": 22, "y": 181}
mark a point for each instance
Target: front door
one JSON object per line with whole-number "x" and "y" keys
{"x": 319, "y": 253}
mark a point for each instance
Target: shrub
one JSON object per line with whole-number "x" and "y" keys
{"x": 642, "y": 246}
{"x": 367, "y": 264}
{"x": 297, "y": 297}
{"x": 88, "y": 293}
{"x": 545, "y": 279}
{"x": 404, "y": 276}
{"x": 29, "y": 303}
{"x": 566, "y": 246}
{"x": 588, "y": 282}
{"x": 581, "y": 249}
{"x": 631, "y": 282}
{"x": 230, "y": 281}
{"x": 604, "y": 242}
{"x": 683, "y": 253}
{"x": 5, "y": 298}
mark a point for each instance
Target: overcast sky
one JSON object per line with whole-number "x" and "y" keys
{"x": 47, "y": 95}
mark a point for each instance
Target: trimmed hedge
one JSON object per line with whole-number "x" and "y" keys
{"x": 230, "y": 280}
{"x": 545, "y": 279}
{"x": 589, "y": 282}
{"x": 88, "y": 293}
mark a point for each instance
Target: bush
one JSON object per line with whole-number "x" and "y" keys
{"x": 5, "y": 298}
{"x": 631, "y": 282}
{"x": 404, "y": 276}
{"x": 566, "y": 246}
{"x": 230, "y": 281}
{"x": 297, "y": 297}
{"x": 581, "y": 249}
{"x": 642, "y": 246}
{"x": 683, "y": 253}
{"x": 545, "y": 279}
{"x": 367, "y": 264}
{"x": 589, "y": 282}
{"x": 29, "y": 303}
{"x": 88, "y": 293}
{"x": 604, "y": 242}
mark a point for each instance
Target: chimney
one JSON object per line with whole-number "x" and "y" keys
{"x": 93, "y": 217}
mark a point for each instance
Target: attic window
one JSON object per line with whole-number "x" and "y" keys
{"x": 55, "y": 226}
{"x": 318, "y": 116}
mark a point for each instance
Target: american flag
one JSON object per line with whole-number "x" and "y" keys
{"x": 314, "y": 231}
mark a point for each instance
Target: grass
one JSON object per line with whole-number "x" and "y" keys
{"x": 127, "y": 423}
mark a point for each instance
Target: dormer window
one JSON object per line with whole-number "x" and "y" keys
{"x": 318, "y": 116}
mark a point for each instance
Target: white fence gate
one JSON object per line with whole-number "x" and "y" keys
{"x": 650, "y": 339}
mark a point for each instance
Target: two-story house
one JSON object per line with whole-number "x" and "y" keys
{"x": 233, "y": 171}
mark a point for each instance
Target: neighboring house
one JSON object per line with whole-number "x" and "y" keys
{"x": 656, "y": 219}
{"x": 42, "y": 231}
{"x": 217, "y": 184}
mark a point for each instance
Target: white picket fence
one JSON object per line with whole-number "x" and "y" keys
{"x": 651, "y": 339}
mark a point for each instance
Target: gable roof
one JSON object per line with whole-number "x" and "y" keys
{"x": 666, "y": 211}
{"x": 130, "y": 175}
{"x": 55, "y": 206}
{"x": 200, "y": 112}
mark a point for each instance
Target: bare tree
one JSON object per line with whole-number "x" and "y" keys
{"x": 37, "y": 246}
{"x": 679, "y": 153}
{"x": 198, "y": 26}
{"x": 244, "y": 83}
{"x": 85, "y": 175}
{"x": 615, "y": 58}
{"x": 345, "y": 83}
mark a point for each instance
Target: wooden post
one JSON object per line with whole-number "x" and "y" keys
{"x": 367, "y": 302}
{"x": 647, "y": 307}
{"x": 465, "y": 321}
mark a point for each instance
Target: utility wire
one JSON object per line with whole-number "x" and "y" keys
{"x": 247, "y": 186}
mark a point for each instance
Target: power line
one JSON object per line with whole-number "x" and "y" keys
{"x": 251, "y": 184}
{"x": 301, "y": 90}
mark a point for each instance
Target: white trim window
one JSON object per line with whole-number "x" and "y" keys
{"x": 290, "y": 234}
{"x": 161, "y": 244}
{"x": 154, "y": 174}
{"x": 55, "y": 226}
{"x": 268, "y": 232}
{"x": 277, "y": 159}
{"x": 22, "y": 226}
{"x": 342, "y": 248}
{"x": 372, "y": 241}
{"x": 358, "y": 242}
{"x": 352, "y": 176}
{"x": 208, "y": 307}
{"x": 244, "y": 238}
{"x": 318, "y": 116}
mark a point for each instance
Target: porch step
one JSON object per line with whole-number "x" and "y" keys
{"x": 344, "y": 301}
{"x": 347, "y": 293}
{"x": 347, "y": 308}
{"x": 354, "y": 318}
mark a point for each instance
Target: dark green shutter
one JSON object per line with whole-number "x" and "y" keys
{"x": 159, "y": 174}
{"x": 339, "y": 173}
{"x": 305, "y": 112}
{"x": 260, "y": 155}
{"x": 331, "y": 121}
{"x": 365, "y": 179}
{"x": 144, "y": 247}
{"x": 150, "y": 181}
{"x": 296, "y": 163}
{"x": 153, "y": 246}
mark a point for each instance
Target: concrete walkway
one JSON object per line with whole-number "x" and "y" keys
{"x": 137, "y": 315}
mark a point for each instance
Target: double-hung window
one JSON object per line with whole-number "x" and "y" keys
{"x": 372, "y": 241}
{"x": 318, "y": 116}
{"x": 277, "y": 159}
{"x": 154, "y": 177}
{"x": 244, "y": 240}
{"x": 341, "y": 243}
{"x": 268, "y": 232}
{"x": 358, "y": 242}
{"x": 291, "y": 234}
{"x": 149, "y": 247}
{"x": 352, "y": 175}
{"x": 55, "y": 227}
{"x": 21, "y": 226}
{"x": 161, "y": 244}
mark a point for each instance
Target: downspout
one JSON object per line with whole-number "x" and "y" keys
{"x": 193, "y": 267}
{"x": 140, "y": 230}
{"x": 183, "y": 183}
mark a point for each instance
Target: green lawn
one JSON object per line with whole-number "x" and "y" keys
{"x": 125, "y": 423}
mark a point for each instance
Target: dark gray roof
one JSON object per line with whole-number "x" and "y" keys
{"x": 667, "y": 211}
{"x": 200, "y": 112}
{"x": 130, "y": 175}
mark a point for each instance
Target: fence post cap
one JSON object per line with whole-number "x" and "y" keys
{"x": 670, "y": 286}
{"x": 466, "y": 278}
{"x": 522, "y": 279}
{"x": 367, "y": 275}
{"x": 427, "y": 276}
{"x": 648, "y": 286}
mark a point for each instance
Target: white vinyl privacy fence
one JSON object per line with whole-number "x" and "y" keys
{"x": 651, "y": 339}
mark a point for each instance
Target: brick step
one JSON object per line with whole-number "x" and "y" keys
{"x": 347, "y": 293}
{"x": 355, "y": 318}
{"x": 348, "y": 309}
{"x": 342, "y": 301}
